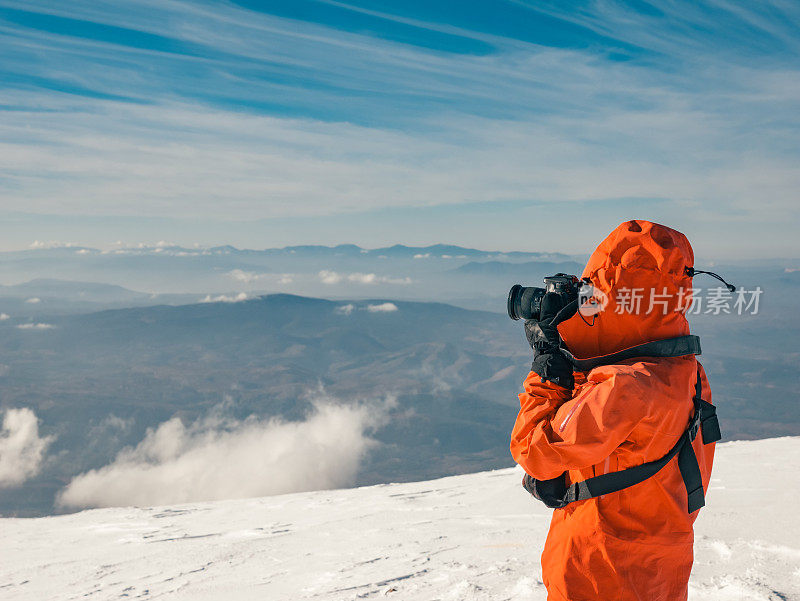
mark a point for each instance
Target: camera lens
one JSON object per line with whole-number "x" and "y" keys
{"x": 524, "y": 302}
{"x": 513, "y": 301}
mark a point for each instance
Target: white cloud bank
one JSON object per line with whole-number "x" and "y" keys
{"x": 330, "y": 277}
{"x": 225, "y": 298}
{"x": 218, "y": 458}
{"x": 382, "y": 308}
{"x": 21, "y": 447}
{"x": 45, "y": 244}
{"x": 248, "y": 277}
{"x": 333, "y": 277}
{"x": 376, "y": 308}
{"x": 345, "y": 309}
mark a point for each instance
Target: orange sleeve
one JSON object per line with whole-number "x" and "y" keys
{"x": 559, "y": 430}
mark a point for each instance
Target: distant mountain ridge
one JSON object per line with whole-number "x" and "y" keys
{"x": 53, "y": 296}
{"x": 71, "y": 290}
{"x": 421, "y": 273}
{"x": 446, "y": 251}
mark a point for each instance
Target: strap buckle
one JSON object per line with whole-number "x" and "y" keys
{"x": 710, "y": 423}
{"x": 694, "y": 427}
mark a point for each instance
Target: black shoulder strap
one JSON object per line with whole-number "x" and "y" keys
{"x": 669, "y": 347}
{"x": 704, "y": 418}
{"x": 616, "y": 481}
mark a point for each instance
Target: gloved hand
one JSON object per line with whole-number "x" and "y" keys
{"x": 550, "y": 492}
{"x": 548, "y": 360}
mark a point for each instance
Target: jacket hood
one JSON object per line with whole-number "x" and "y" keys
{"x": 638, "y": 260}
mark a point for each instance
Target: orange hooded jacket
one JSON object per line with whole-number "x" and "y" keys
{"x": 635, "y": 544}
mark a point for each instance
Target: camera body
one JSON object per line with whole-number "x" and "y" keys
{"x": 526, "y": 302}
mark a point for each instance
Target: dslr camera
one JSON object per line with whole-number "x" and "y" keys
{"x": 526, "y": 302}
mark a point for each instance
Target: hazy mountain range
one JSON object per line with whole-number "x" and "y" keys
{"x": 410, "y": 390}
{"x": 98, "y": 381}
{"x": 440, "y": 272}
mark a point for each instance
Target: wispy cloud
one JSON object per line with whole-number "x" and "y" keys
{"x": 330, "y": 277}
{"x": 22, "y": 449}
{"x": 209, "y": 108}
{"x": 371, "y": 308}
{"x": 217, "y": 458}
{"x": 225, "y": 298}
{"x": 333, "y": 277}
{"x": 39, "y": 244}
{"x": 345, "y": 309}
{"x": 248, "y": 277}
{"x": 382, "y": 308}
{"x": 36, "y": 326}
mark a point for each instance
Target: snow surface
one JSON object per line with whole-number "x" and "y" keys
{"x": 477, "y": 536}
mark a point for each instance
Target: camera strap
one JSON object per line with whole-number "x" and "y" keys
{"x": 669, "y": 347}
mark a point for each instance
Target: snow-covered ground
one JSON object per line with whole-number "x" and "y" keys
{"x": 477, "y": 536}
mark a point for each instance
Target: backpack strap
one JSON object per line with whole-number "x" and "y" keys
{"x": 704, "y": 418}
{"x": 615, "y": 481}
{"x": 679, "y": 346}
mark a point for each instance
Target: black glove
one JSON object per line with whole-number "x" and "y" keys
{"x": 548, "y": 360}
{"x": 550, "y": 492}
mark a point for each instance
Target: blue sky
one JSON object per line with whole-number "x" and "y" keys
{"x": 511, "y": 125}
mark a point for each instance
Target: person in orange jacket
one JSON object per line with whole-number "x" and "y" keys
{"x": 636, "y": 543}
